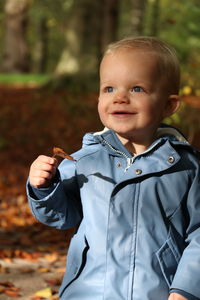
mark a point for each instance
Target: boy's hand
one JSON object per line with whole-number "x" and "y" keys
{"x": 42, "y": 171}
{"x": 175, "y": 296}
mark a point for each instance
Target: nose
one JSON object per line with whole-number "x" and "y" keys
{"x": 121, "y": 97}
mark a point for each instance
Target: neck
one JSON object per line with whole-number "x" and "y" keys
{"x": 135, "y": 147}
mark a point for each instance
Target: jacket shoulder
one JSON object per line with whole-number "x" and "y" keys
{"x": 188, "y": 154}
{"x": 89, "y": 147}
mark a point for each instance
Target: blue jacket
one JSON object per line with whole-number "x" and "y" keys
{"x": 138, "y": 219}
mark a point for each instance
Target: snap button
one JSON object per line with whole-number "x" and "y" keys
{"x": 171, "y": 159}
{"x": 119, "y": 165}
{"x": 138, "y": 171}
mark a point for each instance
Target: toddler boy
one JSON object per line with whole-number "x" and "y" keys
{"x": 134, "y": 189}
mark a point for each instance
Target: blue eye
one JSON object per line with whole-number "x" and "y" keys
{"x": 137, "y": 89}
{"x": 109, "y": 89}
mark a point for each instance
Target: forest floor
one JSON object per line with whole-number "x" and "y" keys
{"x": 32, "y": 122}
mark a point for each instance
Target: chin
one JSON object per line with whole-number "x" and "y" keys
{"x": 125, "y": 135}
{"x": 124, "y": 132}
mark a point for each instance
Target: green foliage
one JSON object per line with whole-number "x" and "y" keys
{"x": 77, "y": 84}
{"x": 177, "y": 23}
{"x": 24, "y": 78}
{"x": 180, "y": 27}
{"x": 54, "y": 14}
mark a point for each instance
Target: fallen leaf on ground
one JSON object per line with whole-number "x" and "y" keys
{"x": 45, "y": 293}
{"x": 53, "y": 282}
{"x": 13, "y": 292}
{"x": 51, "y": 257}
{"x": 9, "y": 289}
{"x": 27, "y": 270}
{"x": 43, "y": 270}
{"x": 7, "y": 284}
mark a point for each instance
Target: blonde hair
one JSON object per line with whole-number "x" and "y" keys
{"x": 168, "y": 63}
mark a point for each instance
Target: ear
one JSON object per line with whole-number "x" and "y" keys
{"x": 172, "y": 105}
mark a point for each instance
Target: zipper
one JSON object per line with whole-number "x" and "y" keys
{"x": 129, "y": 160}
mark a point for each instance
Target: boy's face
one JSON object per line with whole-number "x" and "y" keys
{"x": 131, "y": 99}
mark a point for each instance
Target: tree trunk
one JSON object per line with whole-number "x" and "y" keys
{"x": 155, "y": 17}
{"x": 91, "y": 25}
{"x": 138, "y": 8}
{"x": 16, "y": 55}
{"x": 41, "y": 49}
{"x": 109, "y": 23}
{"x": 81, "y": 37}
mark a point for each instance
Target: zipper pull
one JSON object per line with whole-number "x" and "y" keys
{"x": 130, "y": 161}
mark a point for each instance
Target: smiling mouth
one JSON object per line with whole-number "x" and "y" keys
{"x": 122, "y": 114}
{"x": 119, "y": 113}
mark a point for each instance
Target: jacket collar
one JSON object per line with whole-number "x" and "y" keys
{"x": 168, "y": 138}
{"x": 107, "y": 138}
{"x": 164, "y": 132}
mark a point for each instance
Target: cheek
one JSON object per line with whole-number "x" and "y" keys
{"x": 156, "y": 113}
{"x": 148, "y": 108}
{"x": 101, "y": 107}
{"x": 100, "y": 111}
{"x": 151, "y": 113}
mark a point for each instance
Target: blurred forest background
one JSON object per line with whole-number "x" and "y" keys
{"x": 49, "y": 57}
{"x": 59, "y": 44}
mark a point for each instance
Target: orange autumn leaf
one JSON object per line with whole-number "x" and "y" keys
{"x": 51, "y": 257}
{"x": 14, "y": 292}
{"x": 61, "y": 153}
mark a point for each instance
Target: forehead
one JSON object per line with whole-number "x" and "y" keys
{"x": 128, "y": 60}
{"x": 130, "y": 56}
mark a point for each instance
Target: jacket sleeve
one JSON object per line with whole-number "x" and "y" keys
{"x": 58, "y": 206}
{"x": 187, "y": 276}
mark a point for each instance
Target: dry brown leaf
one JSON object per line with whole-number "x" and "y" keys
{"x": 7, "y": 284}
{"x": 54, "y": 297}
{"x": 2, "y": 270}
{"x": 61, "y": 153}
{"x": 43, "y": 270}
{"x": 14, "y": 292}
{"x": 53, "y": 282}
{"x": 26, "y": 270}
{"x": 2, "y": 289}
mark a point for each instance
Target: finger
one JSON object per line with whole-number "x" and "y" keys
{"x": 38, "y": 173}
{"x": 47, "y": 159}
{"x": 42, "y": 174}
{"x": 39, "y": 182}
{"x": 40, "y": 178}
{"x": 43, "y": 166}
